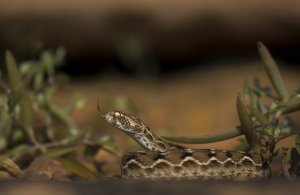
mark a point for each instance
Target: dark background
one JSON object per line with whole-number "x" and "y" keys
{"x": 149, "y": 37}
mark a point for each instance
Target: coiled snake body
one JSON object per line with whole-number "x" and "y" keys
{"x": 162, "y": 160}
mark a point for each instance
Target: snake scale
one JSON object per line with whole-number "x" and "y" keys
{"x": 163, "y": 160}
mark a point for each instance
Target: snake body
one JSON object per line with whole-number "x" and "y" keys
{"x": 163, "y": 160}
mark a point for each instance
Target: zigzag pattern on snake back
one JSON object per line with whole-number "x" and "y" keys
{"x": 195, "y": 164}
{"x": 162, "y": 160}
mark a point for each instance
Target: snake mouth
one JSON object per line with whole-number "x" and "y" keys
{"x": 117, "y": 124}
{"x": 128, "y": 131}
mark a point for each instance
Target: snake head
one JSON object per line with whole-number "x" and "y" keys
{"x": 137, "y": 130}
{"x": 125, "y": 122}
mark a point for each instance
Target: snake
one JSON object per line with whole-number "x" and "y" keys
{"x": 164, "y": 160}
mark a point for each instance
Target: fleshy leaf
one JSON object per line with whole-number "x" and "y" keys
{"x": 246, "y": 122}
{"x": 258, "y": 115}
{"x": 273, "y": 72}
{"x": 59, "y": 152}
{"x": 20, "y": 94}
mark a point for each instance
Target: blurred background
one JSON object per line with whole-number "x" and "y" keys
{"x": 177, "y": 65}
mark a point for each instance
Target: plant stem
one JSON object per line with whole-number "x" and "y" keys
{"x": 237, "y": 131}
{"x": 291, "y": 106}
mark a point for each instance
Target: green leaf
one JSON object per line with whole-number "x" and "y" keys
{"x": 269, "y": 131}
{"x": 59, "y": 152}
{"x": 47, "y": 61}
{"x": 246, "y": 122}
{"x": 249, "y": 95}
{"x": 273, "y": 72}
{"x": 19, "y": 93}
{"x": 276, "y": 132}
{"x": 5, "y": 126}
{"x": 275, "y": 106}
{"x": 258, "y": 115}
{"x": 14, "y": 78}
{"x": 291, "y": 105}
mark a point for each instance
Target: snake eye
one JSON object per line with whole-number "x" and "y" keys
{"x": 117, "y": 114}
